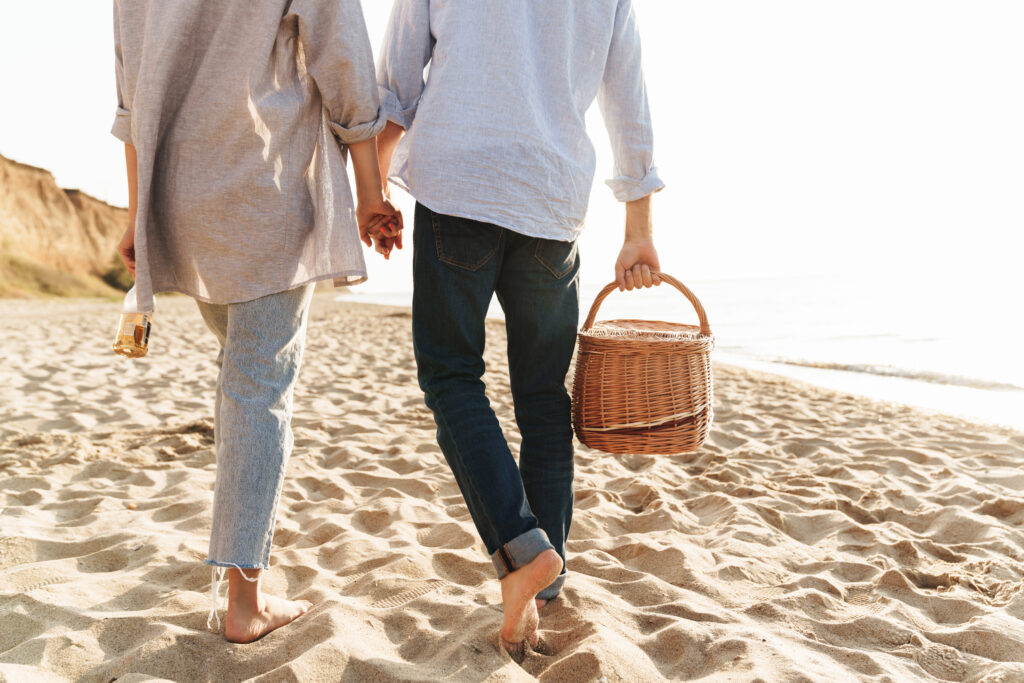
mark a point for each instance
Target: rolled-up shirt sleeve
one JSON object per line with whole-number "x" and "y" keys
{"x": 339, "y": 58}
{"x": 626, "y": 112}
{"x": 408, "y": 47}
{"x": 122, "y": 128}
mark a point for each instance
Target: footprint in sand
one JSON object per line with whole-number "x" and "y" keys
{"x": 418, "y": 590}
{"x": 25, "y": 580}
{"x": 447, "y": 535}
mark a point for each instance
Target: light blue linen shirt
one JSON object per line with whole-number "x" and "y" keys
{"x": 496, "y": 129}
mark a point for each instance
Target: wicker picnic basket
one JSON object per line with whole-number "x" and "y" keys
{"x": 643, "y": 387}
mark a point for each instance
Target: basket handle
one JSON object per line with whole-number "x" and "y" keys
{"x": 704, "y": 327}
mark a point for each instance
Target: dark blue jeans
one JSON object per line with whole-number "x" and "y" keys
{"x": 458, "y": 265}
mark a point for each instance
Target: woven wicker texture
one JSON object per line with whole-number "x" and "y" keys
{"x": 643, "y": 386}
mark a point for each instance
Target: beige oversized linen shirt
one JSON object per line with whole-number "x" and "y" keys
{"x": 239, "y": 111}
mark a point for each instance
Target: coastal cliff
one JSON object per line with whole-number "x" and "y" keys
{"x": 55, "y": 241}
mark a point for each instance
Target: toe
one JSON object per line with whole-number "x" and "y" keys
{"x": 517, "y": 651}
{"x": 533, "y": 639}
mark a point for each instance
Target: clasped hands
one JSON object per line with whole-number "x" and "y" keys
{"x": 380, "y": 225}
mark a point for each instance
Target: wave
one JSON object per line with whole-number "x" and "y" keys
{"x": 902, "y": 373}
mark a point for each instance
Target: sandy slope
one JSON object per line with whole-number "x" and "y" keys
{"x": 817, "y": 537}
{"x": 53, "y": 240}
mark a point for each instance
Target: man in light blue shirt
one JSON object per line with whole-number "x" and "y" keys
{"x": 496, "y": 153}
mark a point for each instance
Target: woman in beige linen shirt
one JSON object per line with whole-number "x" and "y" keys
{"x": 236, "y": 118}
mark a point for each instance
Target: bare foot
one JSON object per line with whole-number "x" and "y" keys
{"x": 244, "y": 624}
{"x": 518, "y": 591}
{"x": 540, "y": 602}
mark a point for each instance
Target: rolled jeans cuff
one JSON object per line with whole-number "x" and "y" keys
{"x": 520, "y": 551}
{"x": 552, "y": 591}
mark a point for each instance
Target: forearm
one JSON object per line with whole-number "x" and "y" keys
{"x": 378, "y": 219}
{"x": 639, "y": 219}
{"x": 131, "y": 162}
{"x": 638, "y": 264}
{"x": 366, "y": 171}
{"x": 126, "y": 247}
{"x": 387, "y": 142}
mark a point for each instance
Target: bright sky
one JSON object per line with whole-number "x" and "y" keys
{"x": 795, "y": 136}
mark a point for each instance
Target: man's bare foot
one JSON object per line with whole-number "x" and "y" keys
{"x": 518, "y": 592}
{"x": 244, "y": 623}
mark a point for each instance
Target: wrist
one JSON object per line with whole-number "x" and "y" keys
{"x": 370, "y": 197}
{"x": 639, "y": 234}
{"x": 639, "y": 219}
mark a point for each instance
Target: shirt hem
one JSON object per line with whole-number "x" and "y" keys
{"x": 359, "y": 278}
{"x": 573, "y": 233}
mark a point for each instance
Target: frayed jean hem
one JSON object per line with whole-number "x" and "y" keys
{"x": 234, "y": 565}
{"x": 217, "y": 571}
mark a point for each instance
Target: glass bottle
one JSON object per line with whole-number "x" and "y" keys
{"x": 133, "y": 331}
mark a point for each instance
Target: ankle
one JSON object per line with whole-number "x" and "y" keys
{"x": 246, "y": 604}
{"x": 547, "y": 559}
{"x": 546, "y": 562}
{"x": 244, "y": 590}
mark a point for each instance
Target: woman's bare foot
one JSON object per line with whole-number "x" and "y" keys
{"x": 244, "y": 625}
{"x": 518, "y": 591}
{"x": 252, "y": 615}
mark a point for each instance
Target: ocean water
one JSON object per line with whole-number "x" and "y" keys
{"x": 949, "y": 344}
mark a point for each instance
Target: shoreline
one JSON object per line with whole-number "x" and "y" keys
{"x": 941, "y": 399}
{"x": 817, "y": 378}
{"x": 985, "y": 407}
{"x": 817, "y": 535}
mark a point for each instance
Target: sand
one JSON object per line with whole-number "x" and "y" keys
{"x": 816, "y": 537}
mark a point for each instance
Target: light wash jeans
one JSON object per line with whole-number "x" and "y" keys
{"x": 261, "y": 350}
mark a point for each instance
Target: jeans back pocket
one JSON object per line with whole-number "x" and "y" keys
{"x": 464, "y": 243}
{"x": 558, "y": 257}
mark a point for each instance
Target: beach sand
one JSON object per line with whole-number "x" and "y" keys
{"x": 815, "y": 537}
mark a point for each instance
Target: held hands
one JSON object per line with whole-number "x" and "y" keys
{"x": 380, "y": 225}
{"x": 380, "y": 222}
